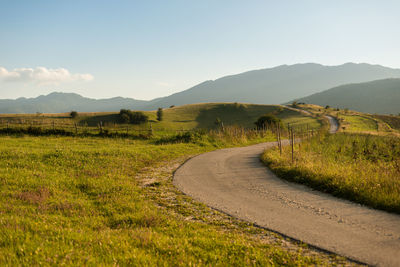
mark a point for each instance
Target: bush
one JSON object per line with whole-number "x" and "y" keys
{"x": 267, "y": 119}
{"x": 73, "y": 114}
{"x": 134, "y": 117}
{"x": 125, "y": 118}
{"x": 138, "y": 117}
{"x": 186, "y": 137}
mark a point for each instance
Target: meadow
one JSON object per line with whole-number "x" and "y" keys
{"x": 108, "y": 199}
{"x": 180, "y": 118}
{"x": 359, "y": 167}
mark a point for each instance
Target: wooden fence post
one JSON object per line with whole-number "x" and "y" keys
{"x": 292, "y": 144}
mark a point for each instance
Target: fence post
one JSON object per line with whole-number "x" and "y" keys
{"x": 292, "y": 144}
{"x": 76, "y": 129}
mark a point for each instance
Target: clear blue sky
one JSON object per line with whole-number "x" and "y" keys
{"x": 147, "y": 49}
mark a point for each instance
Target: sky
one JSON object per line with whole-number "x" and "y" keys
{"x": 149, "y": 49}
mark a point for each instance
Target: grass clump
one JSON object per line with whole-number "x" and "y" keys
{"x": 361, "y": 168}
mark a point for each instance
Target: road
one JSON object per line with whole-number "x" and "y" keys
{"x": 334, "y": 125}
{"x": 236, "y": 182}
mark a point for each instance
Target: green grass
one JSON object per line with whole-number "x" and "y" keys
{"x": 181, "y": 118}
{"x": 203, "y": 116}
{"x": 362, "y": 168}
{"x": 357, "y": 123}
{"x": 103, "y": 201}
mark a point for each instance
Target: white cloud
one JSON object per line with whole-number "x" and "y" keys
{"x": 42, "y": 75}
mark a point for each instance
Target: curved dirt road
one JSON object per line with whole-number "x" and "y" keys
{"x": 236, "y": 182}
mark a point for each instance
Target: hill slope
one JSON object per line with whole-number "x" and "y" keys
{"x": 203, "y": 116}
{"x": 277, "y": 85}
{"x": 381, "y": 96}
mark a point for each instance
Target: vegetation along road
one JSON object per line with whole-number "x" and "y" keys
{"x": 236, "y": 182}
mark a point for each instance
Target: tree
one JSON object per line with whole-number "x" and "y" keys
{"x": 267, "y": 119}
{"x": 73, "y": 114}
{"x": 138, "y": 117}
{"x": 124, "y": 118}
{"x": 134, "y": 117}
{"x": 160, "y": 114}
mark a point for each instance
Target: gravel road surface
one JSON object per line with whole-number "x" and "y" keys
{"x": 236, "y": 182}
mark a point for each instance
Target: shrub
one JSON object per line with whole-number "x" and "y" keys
{"x": 267, "y": 119}
{"x": 134, "y": 117}
{"x": 138, "y": 117}
{"x": 73, "y": 114}
{"x": 124, "y": 118}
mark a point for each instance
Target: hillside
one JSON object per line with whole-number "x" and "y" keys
{"x": 277, "y": 85}
{"x": 266, "y": 86}
{"x": 187, "y": 117}
{"x": 381, "y": 96}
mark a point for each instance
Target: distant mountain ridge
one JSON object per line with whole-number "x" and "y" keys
{"x": 277, "y": 85}
{"x": 266, "y": 86}
{"x": 63, "y": 102}
{"x": 380, "y": 96}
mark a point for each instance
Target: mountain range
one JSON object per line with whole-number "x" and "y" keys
{"x": 381, "y": 96}
{"x": 266, "y": 86}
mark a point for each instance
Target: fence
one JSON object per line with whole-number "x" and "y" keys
{"x": 68, "y": 127}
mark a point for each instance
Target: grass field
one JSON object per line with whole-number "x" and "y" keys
{"x": 101, "y": 201}
{"x": 362, "y": 168}
{"x": 357, "y": 123}
{"x": 187, "y": 117}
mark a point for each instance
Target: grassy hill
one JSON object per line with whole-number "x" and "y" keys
{"x": 381, "y": 96}
{"x": 358, "y": 122}
{"x": 204, "y": 115}
{"x": 187, "y": 117}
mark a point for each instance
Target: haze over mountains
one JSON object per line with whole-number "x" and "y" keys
{"x": 266, "y": 86}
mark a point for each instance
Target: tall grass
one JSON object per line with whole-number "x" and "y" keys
{"x": 362, "y": 168}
